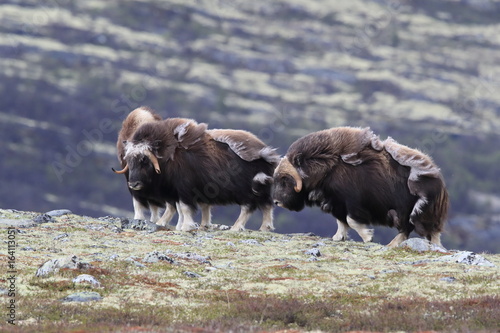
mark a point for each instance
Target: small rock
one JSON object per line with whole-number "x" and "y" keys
{"x": 43, "y": 218}
{"x": 193, "y": 256}
{"x": 28, "y": 248}
{"x": 230, "y": 244}
{"x": 116, "y": 229}
{"x": 113, "y": 256}
{"x": 418, "y": 262}
{"x": 313, "y": 252}
{"x": 59, "y": 212}
{"x": 306, "y": 234}
{"x": 4, "y": 291}
{"x": 94, "y": 227}
{"x": 222, "y": 227}
{"x": 156, "y": 256}
{"x": 372, "y": 277}
{"x": 84, "y": 296}
{"x": 143, "y": 225}
{"x": 389, "y": 271}
{"x": 192, "y": 275}
{"x": 53, "y": 265}
{"x": 449, "y": 279}
{"x": 135, "y": 262}
{"x": 61, "y": 236}
{"x": 86, "y": 278}
{"x": 223, "y": 266}
{"x": 468, "y": 258}
{"x": 312, "y": 259}
{"x": 250, "y": 242}
{"x": 318, "y": 244}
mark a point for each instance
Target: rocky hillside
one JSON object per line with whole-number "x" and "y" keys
{"x": 424, "y": 72}
{"x": 69, "y": 272}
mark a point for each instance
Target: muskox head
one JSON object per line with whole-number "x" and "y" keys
{"x": 141, "y": 163}
{"x": 288, "y": 186}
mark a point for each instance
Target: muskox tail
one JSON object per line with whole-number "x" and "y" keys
{"x": 261, "y": 184}
{"x": 441, "y": 206}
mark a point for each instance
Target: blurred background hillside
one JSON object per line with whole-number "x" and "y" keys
{"x": 424, "y": 72}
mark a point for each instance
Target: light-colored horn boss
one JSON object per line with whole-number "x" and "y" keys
{"x": 286, "y": 167}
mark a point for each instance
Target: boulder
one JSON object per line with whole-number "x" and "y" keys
{"x": 421, "y": 245}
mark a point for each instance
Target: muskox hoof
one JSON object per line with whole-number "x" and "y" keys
{"x": 400, "y": 238}
{"x": 267, "y": 228}
{"x": 208, "y": 227}
{"x": 189, "y": 227}
{"x": 367, "y": 235}
{"x": 237, "y": 228}
{"x": 339, "y": 238}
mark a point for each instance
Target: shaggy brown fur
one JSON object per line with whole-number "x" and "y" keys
{"x": 349, "y": 173}
{"x": 197, "y": 169}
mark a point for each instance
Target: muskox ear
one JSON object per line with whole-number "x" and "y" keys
{"x": 298, "y": 160}
{"x": 156, "y": 145}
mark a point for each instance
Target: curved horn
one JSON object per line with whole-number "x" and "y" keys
{"x": 154, "y": 160}
{"x": 286, "y": 167}
{"x": 125, "y": 169}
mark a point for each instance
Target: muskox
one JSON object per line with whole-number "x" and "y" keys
{"x": 178, "y": 160}
{"x": 141, "y": 202}
{"x": 361, "y": 180}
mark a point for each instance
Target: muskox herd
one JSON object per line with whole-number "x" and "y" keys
{"x": 181, "y": 165}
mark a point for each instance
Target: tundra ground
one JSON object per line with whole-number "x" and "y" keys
{"x": 170, "y": 281}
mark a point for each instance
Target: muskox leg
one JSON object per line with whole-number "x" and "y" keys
{"x": 341, "y": 233}
{"x": 168, "y": 214}
{"x": 400, "y": 238}
{"x": 435, "y": 238}
{"x": 155, "y": 213}
{"x": 267, "y": 219}
{"x": 245, "y": 213}
{"x": 138, "y": 210}
{"x": 206, "y": 216}
{"x": 187, "y": 212}
{"x": 362, "y": 230}
{"x": 181, "y": 217}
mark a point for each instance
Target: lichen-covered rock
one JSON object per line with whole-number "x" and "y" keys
{"x": 43, "y": 218}
{"x": 192, "y": 275}
{"x": 54, "y": 265}
{"x": 193, "y": 256}
{"x": 156, "y": 256}
{"x": 313, "y": 252}
{"x": 143, "y": 225}
{"x": 250, "y": 242}
{"x": 468, "y": 258}
{"x": 87, "y": 279}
